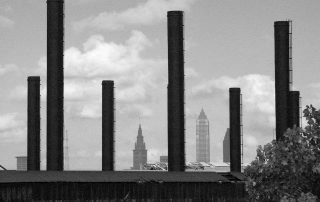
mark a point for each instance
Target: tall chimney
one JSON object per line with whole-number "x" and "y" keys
{"x": 176, "y": 151}
{"x": 235, "y": 130}
{"x": 107, "y": 125}
{"x": 294, "y": 109}
{"x": 33, "y": 123}
{"x": 55, "y": 18}
{"x": 281, "y": 35}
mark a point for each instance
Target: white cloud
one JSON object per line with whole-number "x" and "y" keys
{"x": 14, "y": 135}
{"x": 81, "y": 154}
{"x": 20, "y": 92}
{"x": 101, "y": 59}
{"x": 136, "y": 110}
{"x": 314, "y": 85}
{"x": 4, "y": 69}
{"x": 257, "y": 90}
{"x": 91, "y": 111}
{"x": 6, "y": 22}
{"x": 82, "y": 89}
{"x": 190, "y": 73}
{"x": 106, "y": 59}
{"x": 9, "y": 121}
{"x": 250, "y": 141}
{"x": 11, "y": 128}
{"x": 98, "y": 154}
{"x": 154, "y": 155}
{"x": 82, "y": 2}
{"x": 314, "y": 89}
{"x": 136, "y": 78}
{"x": 147, "y": 13}
{"x": 5, "y": 8}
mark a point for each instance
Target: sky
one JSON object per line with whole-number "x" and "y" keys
{"x": 227, "y": 44}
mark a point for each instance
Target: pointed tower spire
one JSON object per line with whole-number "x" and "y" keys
{"x": 139, "y": 131}
{"x": 202, "y": 115}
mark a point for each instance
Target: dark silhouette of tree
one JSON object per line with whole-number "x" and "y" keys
{"x": 288, "y": 170}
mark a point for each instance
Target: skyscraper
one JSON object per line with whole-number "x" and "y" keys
{"x": 226, "y": 147}
{"x": 203, "y": 138}
{"x": 139, "y": 152}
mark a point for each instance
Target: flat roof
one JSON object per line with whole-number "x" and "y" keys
{"x": 112, "y": 176}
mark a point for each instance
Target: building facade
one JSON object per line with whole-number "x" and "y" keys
{"x": 203, "y": 138}
{"x": 163, "y": 159}
{"x": 226, "y": 147}
{"x": 139, "y": 152}
{"x": 22, "y": 163}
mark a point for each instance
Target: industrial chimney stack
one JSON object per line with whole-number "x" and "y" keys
{"x": 107, "y": 126}
{"x": 33, "y": 123}
{"x": 235, "y": 129}
{"x": 287, "y": 101}
{"x": 282, "y": 44}
{"x": 294, "y": 109}
{"x": 176, "y": 151}
{"x": 55, "y": 18}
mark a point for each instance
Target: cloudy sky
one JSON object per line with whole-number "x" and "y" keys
{"x": 228, "y": 44}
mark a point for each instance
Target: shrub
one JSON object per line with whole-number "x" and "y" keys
{"x": 288, "y": 170}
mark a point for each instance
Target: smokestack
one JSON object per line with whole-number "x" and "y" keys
{"x": 235, "y": 130}
{"x": 55, "y": 18}
{"x": 107, "y": 125}
{"x": 294, "y": 109}
{"x": 176, "y": 158}
{"x": 33, "y": 123}
{"x": 281, "y": 35}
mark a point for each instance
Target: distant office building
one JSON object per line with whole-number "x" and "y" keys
{"x": 163, "y": 159}
{"x": 22, "y": 163}
{"x": 203, "y": 138}
{"x": 226, "y": 147}
{"x": 139, "y": 152}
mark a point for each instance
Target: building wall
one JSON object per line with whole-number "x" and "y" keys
{"x": 226, "y": 147}
{"x": 123, "y": 191}
{"x": 22, "y": 163}
{"x": 163, "y": 159}
{"x": 139, "y": 159}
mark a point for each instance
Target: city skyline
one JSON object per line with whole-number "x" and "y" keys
{"x": 104, "y": 40}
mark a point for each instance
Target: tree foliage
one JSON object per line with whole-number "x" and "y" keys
{"x": 288, "y": 170}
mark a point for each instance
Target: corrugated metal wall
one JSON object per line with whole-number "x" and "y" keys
{"x": 123, "y": 191}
